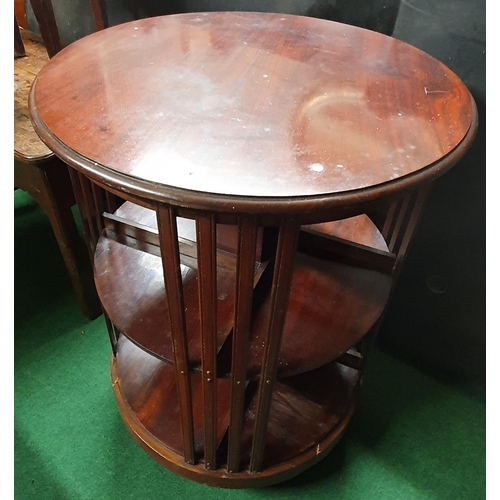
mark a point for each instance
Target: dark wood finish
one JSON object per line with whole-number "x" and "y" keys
{"x": 332, "y": 306}
{"x": 82, "y": 188}
{"x": 91, "y": 222}
{"x": 167, "y": 226}
{"x": 148, "y": 385}
{"x": 19, "y": 50}
{"x": 140, "y": 224}
{"x": 417, "y": 205}
{"x": 45, "y": 17}
{"x": 99, "y": 14}
{"x": 141, "y": 313}
{"x": 146, "y": 393}
{"x": 280, "y": 292}
{"x": 225, "y": 184}
{"x": 206, "y": 231}
{"x": 20, "y": 13}
{"x": 325, "y": 395}
{"x": 220, "y": 107}
{"x": 50, "y": 186}
{"x": 327, "y": 296}
{"x": 36, "y": 169}
{"x": 246, "y": 256}
{"x": 112, "y": 333}
{"x": 317, "y": 239}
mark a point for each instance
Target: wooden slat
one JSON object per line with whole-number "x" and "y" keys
{"x": 88, "y": 210}
{"x": 400, "y": 217}
{"x": 148, "y": 235}
{"x": 20, "y": 13}
{"x": 331, "y": 307}
{"x": 389, "y": 220}
{"x": 136, "y": 230}
{"x": 245, "y": 270}
{"x": 140, "y": 312}
{"x": 112, "y": 202}
{"x": 420, "y": 198}
{"x": 331, "y": 247}
{"x": 282, "y": 277}
{"x": 98, "y": 197}
{"x": 148, "y": 388}
{"x": 304, "y": 409}
{"x": 99, "y": 14}
{"x": 44, "y": 14}
{"x": 352, "y": 358}
{"x": 19, "y": 50}
{"x": 207, "y": 292}
{"x": 113, "y": 337}
{"x": 175, "y": 304}
{"x": 77, "y": 181}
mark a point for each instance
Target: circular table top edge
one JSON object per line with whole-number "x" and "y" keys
{"x": 202, "y": 200}
{"x": 196, "y": 198}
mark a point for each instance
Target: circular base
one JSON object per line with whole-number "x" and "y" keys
{"x": 144, "y": 387}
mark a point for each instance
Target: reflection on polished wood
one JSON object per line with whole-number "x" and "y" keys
{"x": 214, "y": 100}
{"x": 250, "y": 183}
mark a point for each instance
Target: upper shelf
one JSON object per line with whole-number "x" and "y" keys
{"x": 332, "y": 305}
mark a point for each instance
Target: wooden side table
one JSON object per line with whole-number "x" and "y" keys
{"x": 249, "y": 184}
{"x": 45, "y": 177}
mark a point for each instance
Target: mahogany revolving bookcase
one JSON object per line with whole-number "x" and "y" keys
{"x": 248, "y": 185}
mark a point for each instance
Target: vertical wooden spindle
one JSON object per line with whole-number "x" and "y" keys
{"x": 415, "y": 209}
{"x": 112, "y": 202}
{"x": 399, "y": 223}
{"x": 245, "y": 271}
{"x": 113, "y": 337}
{"x": 420, "y": 198}
{"x": 19, "y": 50}
{"x": 98, "y": 197}
{"x": 88, "y": 212}
{"x": 99, "y": 14}
{"x": 280, "y": 290}
{"x": 47, "y": 24}
{"x": 207, "y": 292}
{"x": 169, "y": 247}
{"x": 83, "y": 210}
{"x": 389, "y": 220}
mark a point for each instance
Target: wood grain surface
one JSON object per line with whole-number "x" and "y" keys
{"x": 255, "y": 105}
{"x": 309, "y": 414}
{"x": 332, "y": 305}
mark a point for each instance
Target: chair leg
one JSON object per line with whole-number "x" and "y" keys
{"x": 50, "y": 186}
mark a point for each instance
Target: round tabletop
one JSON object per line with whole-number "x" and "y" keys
{"x": 268, "y": 107}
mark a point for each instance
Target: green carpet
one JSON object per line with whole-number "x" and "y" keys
{"x": 412, "y": 437}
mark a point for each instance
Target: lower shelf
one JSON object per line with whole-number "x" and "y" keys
{"x": 309, "y": 413}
